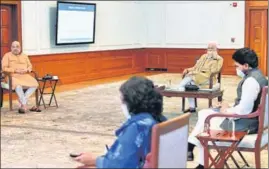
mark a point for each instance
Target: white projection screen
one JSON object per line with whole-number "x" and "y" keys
{"x": 75, "y": 23}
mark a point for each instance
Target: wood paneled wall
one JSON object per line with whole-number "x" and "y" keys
{"x": 77, "y": 67}
{"x": 176, "y": 60}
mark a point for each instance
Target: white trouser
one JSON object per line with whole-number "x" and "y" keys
{"x": 23, "y": 97}
{"x": 199, "y": 128}
{"x": 185, "y": 81}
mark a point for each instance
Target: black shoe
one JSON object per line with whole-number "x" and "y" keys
{"x": 21, "y": 111}
{"x": 200, "y": 167}
{"x": 191, "y": 110}
{"x": 190, "y": 156}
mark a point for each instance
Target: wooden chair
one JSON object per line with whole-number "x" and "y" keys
{"x": 1, "y": 94}
{"x": 10, "y": 91}
{"x": 253, "y": 142}
{"x": 169, "y": 144}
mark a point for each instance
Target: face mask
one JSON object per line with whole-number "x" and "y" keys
{"x": 210, "y": 54}
{"x": 125, "y": 111}
{"x": 240, "y": 73}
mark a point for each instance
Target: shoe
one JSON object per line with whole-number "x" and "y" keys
{"x": 200, "y": 167}
{"x": 190, "y": 156}
{"x": 21, "y": 111}
{"x": 191, "y": 110}
{"x": 35, "y": 109}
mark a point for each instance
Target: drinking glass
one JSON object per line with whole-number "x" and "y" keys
{"x": 231, "y": 125}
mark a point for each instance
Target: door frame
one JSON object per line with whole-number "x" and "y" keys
{"x": 250, "y": 5}
{"x": 16, "y": 11}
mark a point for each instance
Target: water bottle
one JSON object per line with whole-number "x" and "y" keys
{"x": 231, "y": 125}
{"x": 206, "y": 130}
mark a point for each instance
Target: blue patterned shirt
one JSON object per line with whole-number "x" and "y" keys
{"x": 132, "y": 144}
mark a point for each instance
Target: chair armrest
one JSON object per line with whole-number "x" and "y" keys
{"x": 213, "y": 74}
{"x": 211, "y": 78}
{"x": 2, "y": 77}
{"x": 35, "y": 74}
{"x": 252, "y": 115}
{"x": 8, "y": 74}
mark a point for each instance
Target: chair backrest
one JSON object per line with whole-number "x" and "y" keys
{"x": 263, "y": 109}
{"x": 170, "y": 142}
{"x": 265, "y": 124}
{"x": 219, "y": 76}
{"x": 263, "y": 116}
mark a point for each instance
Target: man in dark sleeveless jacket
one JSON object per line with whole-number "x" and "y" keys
{"x": 247, "y": 101}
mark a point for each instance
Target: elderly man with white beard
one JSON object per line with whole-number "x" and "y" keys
{"x": 200, "y": 73}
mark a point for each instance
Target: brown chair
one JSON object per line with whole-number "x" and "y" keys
{"x": 10, "y": 91}
{"x": 169, "y": 142}
{"x": 252, "y": 142}
{"x": 211, "y": 78}
{"x": 1, "y": 94}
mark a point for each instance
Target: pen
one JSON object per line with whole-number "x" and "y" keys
{"x": 107, "y": 147}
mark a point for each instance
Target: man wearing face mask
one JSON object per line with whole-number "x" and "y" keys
{"x": 19, "y": 66}
{"x": 199, "y": 74}
{"x": 247, "y": 101}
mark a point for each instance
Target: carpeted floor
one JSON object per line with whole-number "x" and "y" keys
{"x": 85, "y": 121}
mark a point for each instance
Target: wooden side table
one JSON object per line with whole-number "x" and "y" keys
{"x": 53, "y": 84}
{"x": 223, "y": 154}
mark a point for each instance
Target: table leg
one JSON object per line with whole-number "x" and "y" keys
{"x": 207, "y": 155}
{"x": 225, "y": 155}
{"x": 217, "y": 159}
{"x": 235, "y": 162}
{"x": 53, "y": 87}
{"x": 220, "y": 99}
{"x": 41, "y": 90}
{"x": 209, "y": 103}
{"x": 245, "y": 161}
{"x": 183, "y": 104}
{"x": 36, "y": 96}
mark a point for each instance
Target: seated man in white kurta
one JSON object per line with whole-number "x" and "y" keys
{"x": 248, "y": 99}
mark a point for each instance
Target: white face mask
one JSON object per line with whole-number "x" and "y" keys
{"x": 125, "y": 111}
{"x": 240, "y": 73}
{"x": 209, "y": 54}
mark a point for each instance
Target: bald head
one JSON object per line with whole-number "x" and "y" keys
{"x": 16, "y": 48}
{"x": 212, "y": 45}
{"x": 212, "y": 49}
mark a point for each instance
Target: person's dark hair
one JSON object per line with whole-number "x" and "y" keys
{"x": 246, "y": 55}
{"x": 140, "y": 96}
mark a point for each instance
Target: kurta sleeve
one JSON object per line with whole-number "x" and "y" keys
{"x": 124, "y": 151}
{"x": 218, "y": 66}
{"x": 198, "y": 62}
{"x": 246, "y": 103}
{"x": 29, "y": 65}
{"x": 5, "y": 65}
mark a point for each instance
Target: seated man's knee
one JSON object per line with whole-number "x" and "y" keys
{"x": 203, "y": 114}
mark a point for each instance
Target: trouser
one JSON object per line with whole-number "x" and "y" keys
{"x": 1, "y": 97}
{"x": 185, "y": 81}
{"x": 23, "y": 97}
{"x": 199, "y": 128}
